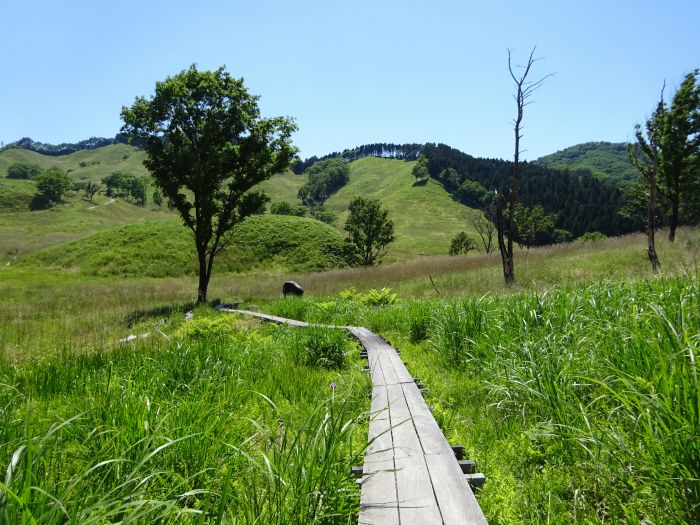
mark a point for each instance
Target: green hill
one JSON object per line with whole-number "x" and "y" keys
{"x": 425, "y": 217}
{"x": 166, "y": 249}
{"x": 604, "y": 159}
{"x": 82, "y": 165}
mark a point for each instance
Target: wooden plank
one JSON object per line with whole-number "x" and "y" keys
{"x": 432, "y": 439}
{"x": 378, "y": 499}
{"x": 403, "y": 432}
{"x": 417, "y": 502}
{"x": 457, "y": 502}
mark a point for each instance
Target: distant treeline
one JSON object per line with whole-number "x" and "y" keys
{"x": 580, "y": 201}
{"x": 384, "y": 150}
{"x": 66, "y": 148}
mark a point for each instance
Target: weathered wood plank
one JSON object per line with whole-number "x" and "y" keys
{"x": 432, "y": 439}
{"x": 457, "y": 502}
{"x": 378, "y": 499}
{"x": 417, "y": 503}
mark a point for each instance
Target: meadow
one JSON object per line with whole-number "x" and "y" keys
{"x": 576, "y": 391}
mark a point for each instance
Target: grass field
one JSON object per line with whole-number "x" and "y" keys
{"x": 425, "y": 216}
{"x": 576, "y": 392}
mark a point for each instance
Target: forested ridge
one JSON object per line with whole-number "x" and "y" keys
{"x": 581, "y": 202}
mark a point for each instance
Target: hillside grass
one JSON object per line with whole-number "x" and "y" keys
{"x": 166, "y": 249}
{"x": 425, "y": 216}
{"x": 100, "y": 162}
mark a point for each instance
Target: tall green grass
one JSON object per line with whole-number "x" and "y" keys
{"x": 215, "y": 421}
{"x": 581, "y": 404}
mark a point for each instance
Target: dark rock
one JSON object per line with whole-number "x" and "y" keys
{"x": 292, "y": 288}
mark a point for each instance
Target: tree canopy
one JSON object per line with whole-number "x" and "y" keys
{"x": 207, "y": 146}
{"x": 369, "y": 230}
{"x": 325, "y": 178}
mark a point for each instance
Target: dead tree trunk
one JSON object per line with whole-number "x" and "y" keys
{"x": 523, "y": 91}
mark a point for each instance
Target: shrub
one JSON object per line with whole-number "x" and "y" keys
{"x": 21, "y": 170}
{"x": 462, "y": 244}
{"x": 381, "y": 297}
{"x": 591, "y": 236}
{"x": 206, "y": 328}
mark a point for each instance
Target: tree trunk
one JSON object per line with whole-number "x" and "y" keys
{"x": 651, "y": 224}
{"x": 203, "y": 277}
{"x": 506, "y": 257}
{"x": 673, "y": 220}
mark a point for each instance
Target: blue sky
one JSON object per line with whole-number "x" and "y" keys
{"x": 353, "y": 73}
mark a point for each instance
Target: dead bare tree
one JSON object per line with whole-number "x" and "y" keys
{"x": 486, "y": 229}
{"x": 523, "y": 92}
{"x": 646, "y": 161}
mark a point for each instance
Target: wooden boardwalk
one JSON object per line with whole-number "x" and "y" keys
{"x": 410, "y": 475}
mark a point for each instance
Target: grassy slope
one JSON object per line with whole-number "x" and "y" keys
{"x": 283, "y": 187}
{"x": 425, "y": 217}
{"x": 118, "y": 157}
{"x": 165, "y": 249}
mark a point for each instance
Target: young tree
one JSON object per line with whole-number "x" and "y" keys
{"x": 91, "y": 189}
{"x": 207, "y": 146}
{"x": 157, "y": 199}
{"x": 369, "y": 230}
{"x": 420, "y": 170}
{"x": 52, "y": 185}
{"x": 533, "y": 226}
{"x": 646, "y": 159}
{"x": 461, "y": 244}
{"x": 679, "y": 145}
{"x": 523, "y": 92}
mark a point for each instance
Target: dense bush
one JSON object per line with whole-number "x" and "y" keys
{"x": 21, "y": 170}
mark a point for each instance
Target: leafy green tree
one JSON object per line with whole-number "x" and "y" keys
{"x": 115, "y": 183}
{"x": 52, "y": 185}
{"x": 679, "y": 147}
{"x": 21, "y": 170}
{"x": 206, "y": 147}
{"x": 420, "y": 170}
{"x": 462, "y": 244}
{"x": 157, "y": 199}
{"x": 325, "y": 178}
{"x": 136, "y": 188}
{"x": 473, "y": 194}
{"x": 91, "y": 189}
{"x": 369, "y": 230}
{"x": 533, "y": 226}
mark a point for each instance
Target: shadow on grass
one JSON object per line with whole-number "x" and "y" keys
{"x": 421, "y": 182}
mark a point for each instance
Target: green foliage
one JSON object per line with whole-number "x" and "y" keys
{"x": 206, "y": 147}
{"x": 456, "y": 328}
{"x": 533, "y": 227}
{"x": 157, "y": 198}
{"x": 369, "y": 230}
{"x": 591, "y": 236}
{"x": 381, "y": 297}
{"x": 473, "y": 194}
{"x": 420, "y": 169}
{"x": 462, "y": 244}
{"x": 191, "y": 431}
{"x": 320, "y": 347}
{"x": 603, "y": 159}
{"x": 52, "y": 185}
{"x": 325, "y": 177}
{"x": 210, "y": 328}
{"x": 324, "y": 215}
{"x": 21, "y": 170}
{"x": 285, "y": 208}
